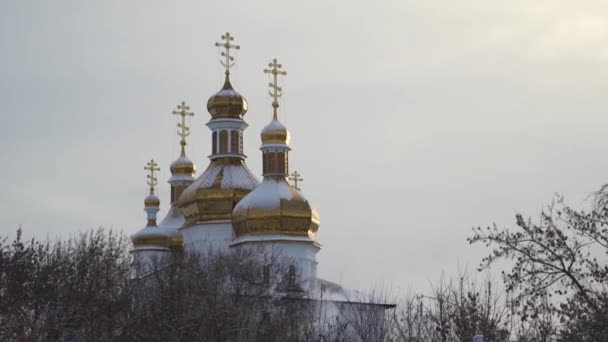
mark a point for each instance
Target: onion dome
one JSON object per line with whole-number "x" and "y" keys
{"x": 151, "y": 237}
{"x": 275, "y": 133}
{"x": 151, "y": 201}
{"x": 213, "y": 195}
{"x": 216, "y": 191}
{"x": 227, "y": 103}
{"x": 275, "y": 206}
{"x": 182, "y": 168}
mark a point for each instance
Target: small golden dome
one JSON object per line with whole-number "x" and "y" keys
{"x": 151, "y": 236}
{"x": 183, "y": 166}
{"x": 275, "y": 207}
{"x": 152, "y": 201}
{"x": 275, "y": 133}
{"x": 227, "y": 103}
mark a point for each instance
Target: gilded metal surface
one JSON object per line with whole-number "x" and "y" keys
{"x": 276, "y": 136}
{"x": 275, "y": 91}
{"x": 184, "y": 131}
{"x": 152, "y": 167}
{"x": 227, "y": 103}
{"x": 212, "y": 202}
{"x": 228, "y": 59}
{"x": 151, "y": 240}
{"x": 187, "y": 168}
{"x": 151, "y": 201}
{"x": 293, "y": 216}
{"x": 176, "y": 242}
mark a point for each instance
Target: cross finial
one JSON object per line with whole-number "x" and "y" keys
{"x": 228, "y": 60}
{"x": 184, "y": 131}
{"x": 152, "y": 167}
{"x": 275, "y": 90}
{"x": 296, "y": 178}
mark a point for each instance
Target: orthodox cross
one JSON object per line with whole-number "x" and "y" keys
{"x": 228, "y": 63}
{"x": 296, "y": 178}
{"x": 183, "y": 111}
{"x": 151, "y": 167}
{"x": 275, "y": 90}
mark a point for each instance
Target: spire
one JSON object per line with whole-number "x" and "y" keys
{"x": 152, "y": 181}
{"x": 275, "y": 90}
{"x": 151, "y": 203}
{"x": 184, "y": 131}
{"x": 182, "y": 169}
{"x": 228, "y": 61}
{"x": 227, "y": 103}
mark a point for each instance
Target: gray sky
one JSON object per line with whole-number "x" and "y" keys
{"x": 411, "y": 121}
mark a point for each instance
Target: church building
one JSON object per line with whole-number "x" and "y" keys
{"x": 226, "y": 207}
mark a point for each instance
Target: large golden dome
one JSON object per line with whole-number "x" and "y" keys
{"x": 227, "y": 103}
{"x": 275, "y": 207}
{"x": 215, "y": 193}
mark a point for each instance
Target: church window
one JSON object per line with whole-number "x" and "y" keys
{"x": 280, "y": 162}
{"x": 234, "y": 142}
{"x": 214, "y": 143}
{"x": 223, "y": 142}
{"x": 265, "y": 163}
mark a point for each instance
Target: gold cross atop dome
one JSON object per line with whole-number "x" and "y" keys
{"x": 295, "y": 176}
{"x": 228, "y": 62}
{"x": 184, "y": 131}
{"x": 152, "y": 167}
{"x": 275, "y": 90}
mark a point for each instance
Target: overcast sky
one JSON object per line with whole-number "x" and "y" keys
{"x": 411, "y": 121}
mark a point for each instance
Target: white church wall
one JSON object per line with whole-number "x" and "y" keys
{"x": 206, "y": 236}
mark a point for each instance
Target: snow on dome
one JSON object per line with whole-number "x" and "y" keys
{"x": 213, "y": 195}
{"x": 171, "y": 224}
{"x": 275, "y": 133}
{"x": 151, "y": 201}
{"x": 275, "y": 207}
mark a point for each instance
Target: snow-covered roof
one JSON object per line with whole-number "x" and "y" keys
{"x": 232, "y": 177}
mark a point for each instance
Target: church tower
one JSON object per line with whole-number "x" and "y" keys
{"x": 208, "y": 202}
{"x": 276, "y": 215}
{"x": 182, "y": 175}
{"x": 150, "y": 244}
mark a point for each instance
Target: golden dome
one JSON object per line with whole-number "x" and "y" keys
{"x": 183, "y": 166}
{"x": 275, "y": 207}
{"x": 227, "y": 103}
{"x": 213, "y": 195}
{"x": 152, "y": 201}
{"x": 151, "y": 236}
{"x": 275, "y": 133}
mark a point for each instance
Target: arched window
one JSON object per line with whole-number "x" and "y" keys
{"x": 223, "y": 142}
{"x": 214, "y": 143}
{"x": 234, "y": 142}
